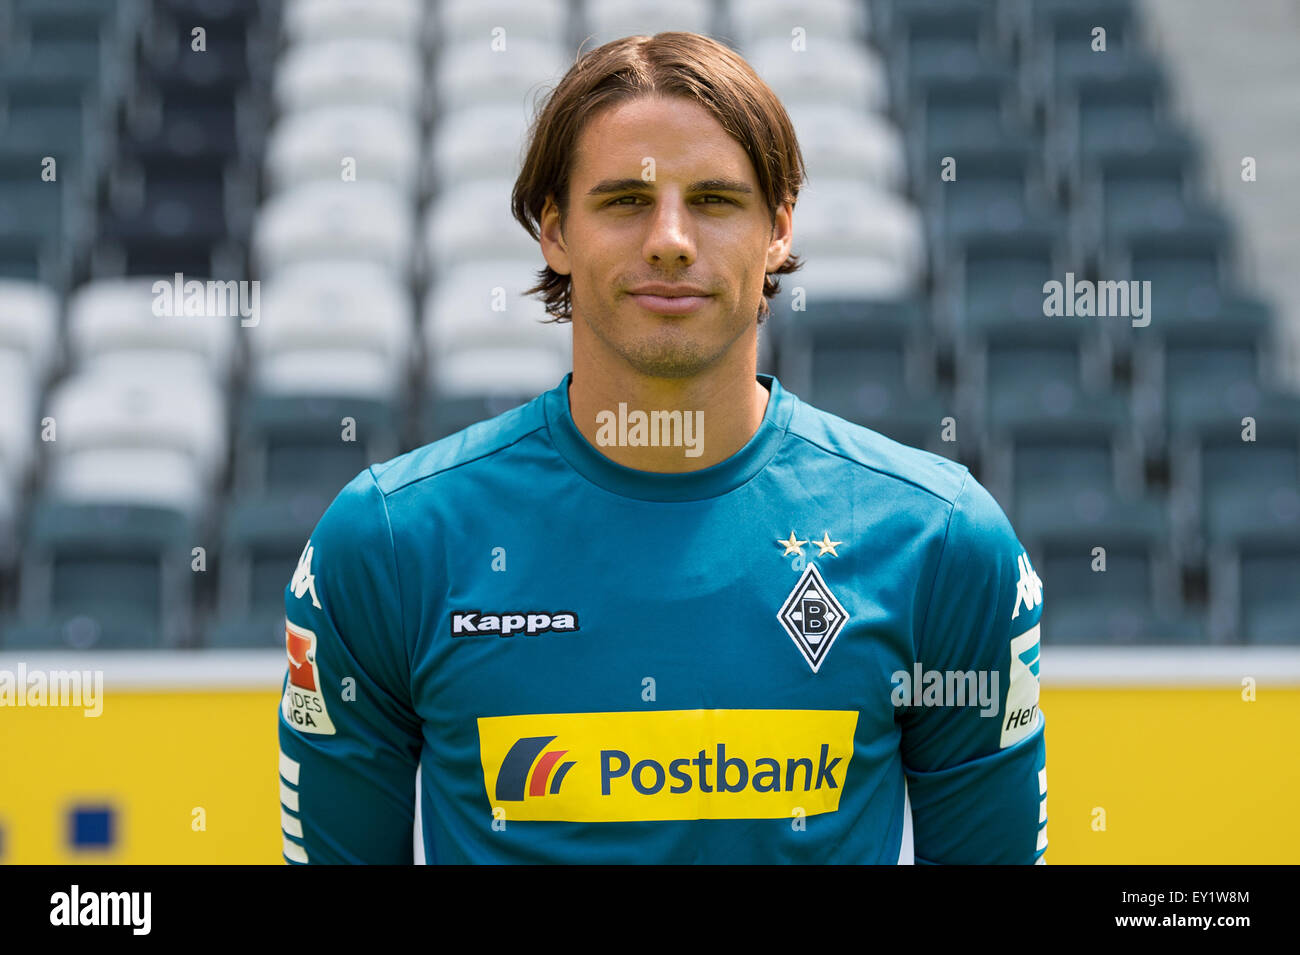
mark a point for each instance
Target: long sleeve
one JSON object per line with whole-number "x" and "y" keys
{"x": 349, "y": 737}
{"x": 977, "y": 775}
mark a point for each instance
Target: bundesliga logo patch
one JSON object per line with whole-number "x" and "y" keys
{"x": 303, "y": 704}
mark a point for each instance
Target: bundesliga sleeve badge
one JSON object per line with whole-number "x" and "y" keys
{"x": 303, "y": 704}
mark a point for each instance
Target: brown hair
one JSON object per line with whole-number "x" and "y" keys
{"x": 667, "y": 64}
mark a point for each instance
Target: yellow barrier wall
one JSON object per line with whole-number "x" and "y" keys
{"x": 1184, "y": 775}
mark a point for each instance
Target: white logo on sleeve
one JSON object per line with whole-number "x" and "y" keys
{"x": 1029, "y": 589}
{"x": 1021, "y": 712}
{"x": 304, "y": 581}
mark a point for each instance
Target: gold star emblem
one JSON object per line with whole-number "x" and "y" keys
{"x": 827, "y": 545}
{"x": 792, "y": 546}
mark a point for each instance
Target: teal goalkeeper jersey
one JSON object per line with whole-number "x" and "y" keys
{"x": 505, "y": 647}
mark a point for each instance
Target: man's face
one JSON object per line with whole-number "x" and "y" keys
{"x": 699, "y": 221}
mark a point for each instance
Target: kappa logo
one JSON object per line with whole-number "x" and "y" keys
{"x": 304, "y": 581}
{"x": 1029, "y": 589}
{"x": 812, "y": 617}
{"x": 476, "y": 623}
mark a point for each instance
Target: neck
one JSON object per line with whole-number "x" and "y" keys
{"x": 667, "y": 425}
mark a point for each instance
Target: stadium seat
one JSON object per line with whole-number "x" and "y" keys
{"x": 1270, "y": 601}
{"x": 362, "y": 221}
{"x": 990, "y": 278}
{"x": 867, "y": 362}
{"x": 315, "y": 21}
{"x": 1251, "y": 489}
{"x": 344, "y": 72}
{"x": 148, "y": 408}
{"x": 261, "y": 540}
{"x": 470, "y": 75}
{"x": 458, "y": 22}
{"x": 949, "y": 40}
{"x": 110, "y": 318}
{"x": 473, "y": 222}
{"x": 839, "y": 71}
{"x": 999, "y": 188}
{"x": 1120, "y": 606}
{"x": 103, "y": 576}
{"x": 466, "y": 145}
{"x": 605, "y": 20}
{"x": 29, "y": 324}
{"x": 336, "y": 306}
{"x": 483, "y": 305}
{"x": 852, "y": 220}
{"x": 303, "y": 437}
{"x": 751, "y": 21}
{"x": 478, "y": 383}
{"x": 311, "y": 144}
{"x": 948, "y": 117}
{"x": 840, "y": 143}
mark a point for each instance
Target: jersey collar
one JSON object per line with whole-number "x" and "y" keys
{"x": 708, "y": 482}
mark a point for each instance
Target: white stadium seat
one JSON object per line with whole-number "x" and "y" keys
{"x": 29, "y": 323}
{"x": 161, "y": 477}
{"x": 310, "y": 144}
{"x": 474, "y": 74}
{"x": 321, "y": 372}
{"x": 335, "y": 305}
{"x": 754, "y": 21}
{"x": 309, "y": 21}
{"x": 840, "y": 143}
{"x": 104, "y": 411}
{"x": 608, "y": 20}
{"x": 350, "y": 72}
{"x": 825, "y": 277}
{"x": 363, "y": 221}
{"x": 830, "y": 70}
{"x": 474, "y": 222}
{"x": 459, "y": 312}
{"x": 480, "y": 371}
{"x": 482, "y": 143}
{"x": 110, "y": 316}
{"x": 470, "y": 21}
{"x": 849, "y": 219}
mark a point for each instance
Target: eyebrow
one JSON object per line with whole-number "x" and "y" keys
{"x": 703, "y": 185}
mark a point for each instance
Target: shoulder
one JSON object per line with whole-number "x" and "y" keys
{"x": 878, "y": 456}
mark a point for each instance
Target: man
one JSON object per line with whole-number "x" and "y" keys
{"x": 665, "y": 612}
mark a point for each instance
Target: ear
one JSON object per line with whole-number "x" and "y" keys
{"x": 778, "y": 250}
{"x": 554, "y": 249}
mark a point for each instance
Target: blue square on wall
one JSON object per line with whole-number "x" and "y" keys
{"x": 91, "y": 827}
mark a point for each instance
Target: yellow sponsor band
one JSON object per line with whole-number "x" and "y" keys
{"x": 668, "y": 764}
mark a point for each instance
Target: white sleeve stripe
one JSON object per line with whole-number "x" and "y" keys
{"x": 1042, "y": 781}
{"x": 1042, "y": 860}
{"x": 291, "y": 825}
{"x": 1042, "y": 810}
{"x": 294, "y": 852}
{"x": 288, "y": 797}
{"x": 289, "y": 768}
{"x": 1042, "y": 839}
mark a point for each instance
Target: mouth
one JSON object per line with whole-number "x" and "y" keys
{"x": 670, "y": 304}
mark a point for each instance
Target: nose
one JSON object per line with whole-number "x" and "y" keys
{"x": 670, "y": 239}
